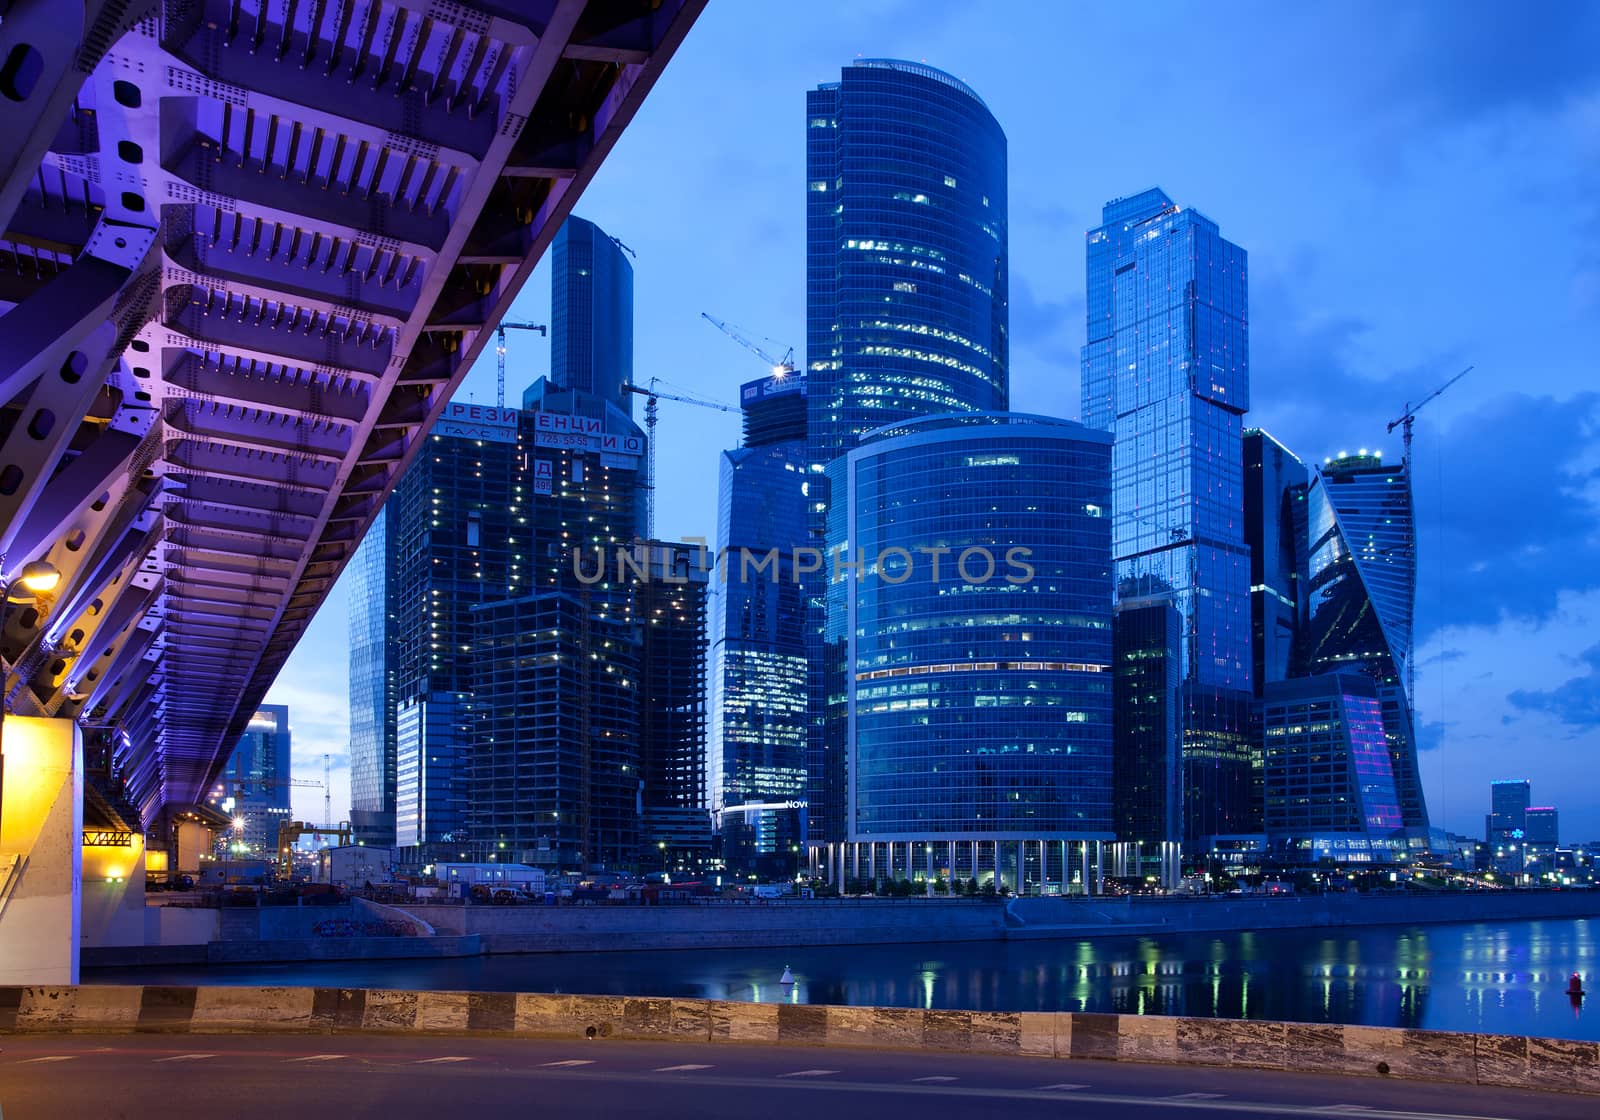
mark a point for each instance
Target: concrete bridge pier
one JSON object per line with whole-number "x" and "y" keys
{"x": 41, "y": 851}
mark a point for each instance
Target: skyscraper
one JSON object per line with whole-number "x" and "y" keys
{"x": 670, "y": 605}
{"x": 977, "y": 710}
{"x": 757, "y": 754}
{"x": 257, "y": 780}
{"x": 372, "y": 687}
{"x": 591, "y": 314}
{"x": 556, "y": 744}
{"x": 1508, "y": 809}
{"x": 1330, "y": 791}
{"x": 906, "y": 316}
{"x": 1275, "y": 530}
{"x": 1361, "y": 595}
{"x": 1147, "y": 771}
{"x": 489, "y": 515}
{"x": 1166, "y": 370}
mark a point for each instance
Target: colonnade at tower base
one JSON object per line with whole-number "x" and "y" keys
{"x": 1042, "y": 865}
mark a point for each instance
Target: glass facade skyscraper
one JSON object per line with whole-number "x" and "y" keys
{"x": 1330, "y": 791}
{"x": 372, "y": 681}
{"x": 906, "y": 315}
{"x": 1275, "y": 483}
{"x": 591, "y": 314}
{"x": 757, "y": 753}
{"x": 1166, "y": 370}
{"x": 1361, "y": 596}
{"x": 256, "y": 778}
{"x": 978, "y": 706}
{"x": 670, "y": 606}
{"x": 1508, "y": 809}
{"x": 1147, "y": 771}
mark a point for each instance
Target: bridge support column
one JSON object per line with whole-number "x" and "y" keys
{"x": 41, "y": 851}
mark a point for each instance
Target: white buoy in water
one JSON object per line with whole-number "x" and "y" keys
{"x": 787, "y": 977}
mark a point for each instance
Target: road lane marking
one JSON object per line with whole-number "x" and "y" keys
{"x": 187, "y": 1058}
{"x": 568, "y": 1064}
{"x": 1195, "y": 1097}
{"x": 1064, "y": 1086}
{"x": 449, "y": 1058}
{"x": 936, "y": 1078}
{"x": 810, "y": 1073}
{"x": 679, "y": 1069}
{"x": 318, "y": 1058}
{"x": 51, "y": 1058}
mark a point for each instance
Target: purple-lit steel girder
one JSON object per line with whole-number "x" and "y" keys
{"x": 248, "y": 248}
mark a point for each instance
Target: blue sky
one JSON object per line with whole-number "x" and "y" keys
{"x": 1417, "y": 185}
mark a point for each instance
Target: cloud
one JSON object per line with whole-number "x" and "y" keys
{"x": 1505, "y": 492}
{"x": 1515, "y": 507}
{"x": 1434, "y": 67}
{"x": 1430, "y": 735}
{"x": 1575, "y": 703}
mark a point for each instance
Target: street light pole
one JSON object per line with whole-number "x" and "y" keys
{"x": 33, "y": 584}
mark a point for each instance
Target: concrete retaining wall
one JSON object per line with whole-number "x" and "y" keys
{"x": 1514, "y": 1062}
{"x": 1064, "y": 917}
{"x": 530, "y": 929}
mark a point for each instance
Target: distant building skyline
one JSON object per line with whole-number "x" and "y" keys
{"x": 256, "y": 782}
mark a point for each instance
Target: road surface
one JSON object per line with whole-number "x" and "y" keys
{"x": 349, "y": 1077}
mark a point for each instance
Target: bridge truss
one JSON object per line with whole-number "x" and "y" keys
{"x": 248, "y": 249}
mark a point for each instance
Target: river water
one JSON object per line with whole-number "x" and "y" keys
{"x": 1502, "y": 977}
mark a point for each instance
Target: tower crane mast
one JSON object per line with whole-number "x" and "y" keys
{"x": 652, "y": 400}
{"x": 500, "y": 353}
{"x": 1404, "y": 422}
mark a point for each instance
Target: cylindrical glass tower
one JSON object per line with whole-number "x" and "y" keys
{"x": 979, "y": 699}
{"x": 905, "y": 305}
{"x": 906, "y": 251}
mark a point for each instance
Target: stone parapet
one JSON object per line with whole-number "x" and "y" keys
{"x": 1482, "y": 1059}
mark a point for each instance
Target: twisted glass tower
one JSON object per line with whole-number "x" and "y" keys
{"x": 1362, "y": 594}
{"x": 1166, "y": 370}
{"x": 906, "y": 315}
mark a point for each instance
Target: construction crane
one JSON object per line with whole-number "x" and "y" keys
{"x": 500, "y": 353}
{"x": 1404, "y": 422}
{"x": 617, "y": 241}
{"x": 652, "y": 398}
{"x": 781, "y": 367}
{"x": 297, "y": 783}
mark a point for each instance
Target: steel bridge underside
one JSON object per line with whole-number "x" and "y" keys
{"x": 248, "y": 249}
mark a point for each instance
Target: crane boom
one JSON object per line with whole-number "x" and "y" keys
{"x": 500, "y": 353}
{"x": 779, "y": 366}
{"x": 1412, "y": 410}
